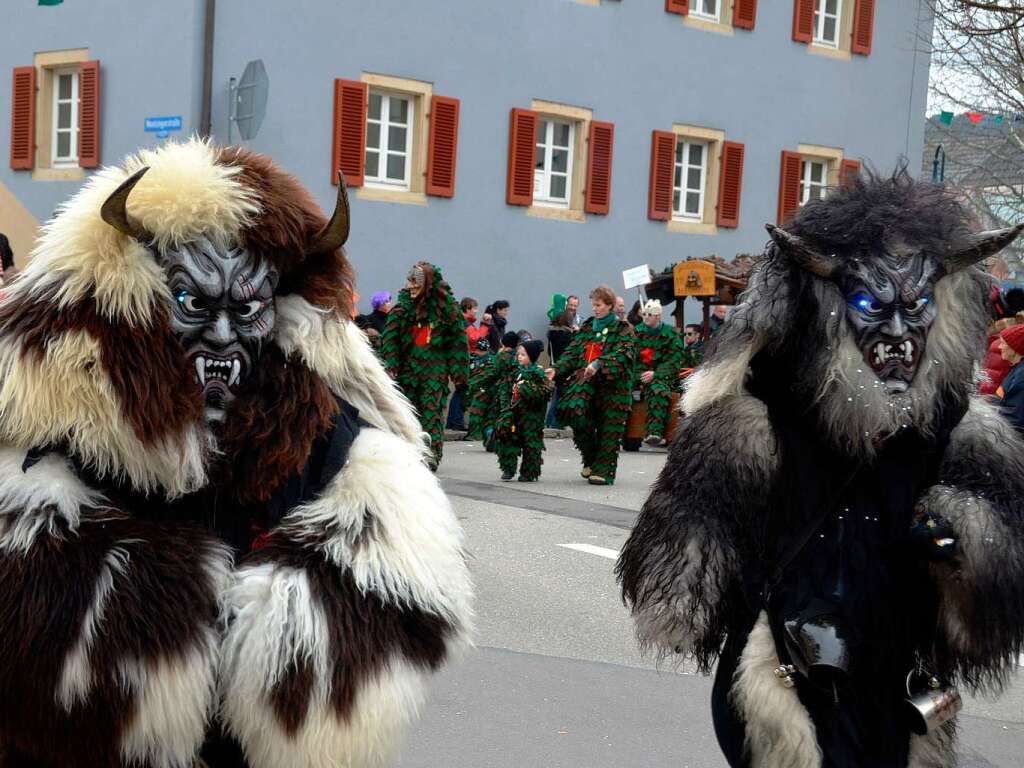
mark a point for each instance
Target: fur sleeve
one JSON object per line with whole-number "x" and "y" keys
{"x": 981, "y": 595}
{"x": 336, "y": 625}
{"x": 680, "y": 568}
{"x": 109, "y": 636}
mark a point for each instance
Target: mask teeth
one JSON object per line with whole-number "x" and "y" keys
{"x": 201, "y": 370}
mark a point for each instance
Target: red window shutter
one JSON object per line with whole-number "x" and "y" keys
{"x": 863, "y": 26}
{"x": 730, "y": 184}
{"x": 522, "y": 141}
{"x": 663, "y": 160}
{"x": 744, "y": 13}
{"x": 803, "y": 20}
{"x": 89, "y": 114}
{"x": 848, "y": 171}
{"x": 442, "y": 146}
{"x": 677, "y": 6}
{"x": 348, "y": 148}
{"x": 23, "y": 119}
{"x": 789, "y": 185}
{"x": 599, "y": 168}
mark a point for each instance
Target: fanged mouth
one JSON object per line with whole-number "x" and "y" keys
{"x": 208, "y": 369}
{"x": 905, "y": 352}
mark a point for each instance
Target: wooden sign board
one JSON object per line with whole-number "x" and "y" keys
{"x": 694, "y": 278}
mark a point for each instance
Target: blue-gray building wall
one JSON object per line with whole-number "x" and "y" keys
{"x": 630, "y": 62}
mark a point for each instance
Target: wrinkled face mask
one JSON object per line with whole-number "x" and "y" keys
{"x": 223, "y": 312}
{"x": 890, "y": 308}
{"x": 416, "y": 281}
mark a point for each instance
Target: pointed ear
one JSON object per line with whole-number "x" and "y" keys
{"x": 335, "y": 234}
{"x": 801, "y": 254}
{"x": 974, "y": 248}
{"x": 114, "y": 209}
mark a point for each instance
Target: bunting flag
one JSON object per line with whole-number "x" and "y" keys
{"x": 974, "y": 117}
{"x": 50, "y": 2}
{"x": 946, "y": 118}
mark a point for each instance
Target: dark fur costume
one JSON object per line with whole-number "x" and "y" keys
{"x": 789, "y": 436}
{"x": 175, "y": 588}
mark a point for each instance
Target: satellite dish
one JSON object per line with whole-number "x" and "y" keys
{"x": 249, "y": 100}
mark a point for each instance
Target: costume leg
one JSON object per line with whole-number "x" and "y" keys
{"x": 508, "y": 456}
{"x": 431, "y": 408}
{"x": 610, "y": 413}
{"x": 583, "y": 437}
{"x": 533, "y": 454}
{"x": 659, "y": 398}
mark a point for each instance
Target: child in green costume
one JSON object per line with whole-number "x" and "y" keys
{"x": 597, "y": 368}
{"x": 424, "y": 346}
{"x": 486, "y": 387}
{"x": 520, "y": 427}
{"x": 659, "y": 353}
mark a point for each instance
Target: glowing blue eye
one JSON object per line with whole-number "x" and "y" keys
{"x": 863, "y": 303}
{"x": 181, "y": 296}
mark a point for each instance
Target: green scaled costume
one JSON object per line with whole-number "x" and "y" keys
{"x": 520, "y": 425}
{"x": 424, "y": 345}
{"x": 485, "y": 388}
{"x": 597, "y": 410}
{"x": 659, "y": 350}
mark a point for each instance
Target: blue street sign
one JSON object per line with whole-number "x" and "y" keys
{"x": 163, "y": 123}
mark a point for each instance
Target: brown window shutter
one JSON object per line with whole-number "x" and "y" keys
{"x": 863, "y": 26}
{"x": 677, "y": 6}
{"x": 89, "y": 114}
{"x": 789, "y": 185}
{"x": 348, "y": 148}
{"x": 803, "y": 20}
{"x": 730, "y": 184}
{"x": 522, "y": 142}
{"x": 663, "y": 158}
{"x": 23, "y": 119}
{"x": 442, "y": 146}
{"x": 848, "y": 171}
{"x": 744, "y": 13}
{"x": 599, "y": 168}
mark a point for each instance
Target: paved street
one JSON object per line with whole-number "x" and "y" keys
{"x": 555, "y": 680}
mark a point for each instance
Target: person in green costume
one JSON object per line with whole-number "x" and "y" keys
{"x": 424, "y": 346}
{"x": 520, "y": 427}
{"x": 597, "y": 368}
{"x": 486, "y": 387}
{"x": 659, "y": 353}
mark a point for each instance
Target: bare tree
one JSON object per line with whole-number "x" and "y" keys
{"x": 978, "y": 66}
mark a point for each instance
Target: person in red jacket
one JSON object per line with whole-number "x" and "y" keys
{"x": 456, "y": 408}
{"x": 995, "y": 366}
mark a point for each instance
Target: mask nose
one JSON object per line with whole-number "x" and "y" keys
{"x": 220, "y": 332}
{"x": 895, "y": 327}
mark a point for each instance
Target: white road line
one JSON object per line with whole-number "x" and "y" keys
{"x": 590, "y": 549}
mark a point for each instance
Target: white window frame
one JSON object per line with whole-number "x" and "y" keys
{"x": 697, "y": 11}
{"x": 820, "y": 16}
{"x": 805, "y": 178}
{"x": 542, "y": 176}
{"x": 684, "y": 166}
{"x": 381, "y": 180}
{"x": 71, "y": 160}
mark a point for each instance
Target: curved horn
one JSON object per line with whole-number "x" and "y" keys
{"x": 335, "y": 233}
{"x": 113, "y": 211}
{"x": 802, "y": 254}
{"x": 976, "y": 247}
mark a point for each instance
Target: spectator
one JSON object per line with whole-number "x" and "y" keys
{"x": 499, "y": 317}
{"x": 620, "y": 308}
{"x": 718, "y": 316}
{"x": 573, "y": 305}
{"x": 559, "y": 335}
{"x": 378, "y": 318}
{"x": 1011, "y": 393}
{"x": 456, "y": 406}
{"x": 995, "y": 365}
{"x": 693, "y": 346}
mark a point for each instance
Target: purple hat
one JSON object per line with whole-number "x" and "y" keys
{"x": 380, "y": 298}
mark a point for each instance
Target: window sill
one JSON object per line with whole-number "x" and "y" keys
{"x": 72, "y": 173}
{"x": 692, "y": 227}
{"x": 708, "y": 26}
{"x": 391, "y": 195}
{"x": 558, "y": 214}
{"x": 828, "y": 53}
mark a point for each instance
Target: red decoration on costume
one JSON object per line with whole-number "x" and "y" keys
{"x": 592, "y": 351}
{"x": 421, "y": 335}
{"x": 647, "y": 356}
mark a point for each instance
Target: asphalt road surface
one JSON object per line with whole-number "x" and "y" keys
{"x": 555, "y": 680}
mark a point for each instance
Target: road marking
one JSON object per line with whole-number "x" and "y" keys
{"x": 590, "y": 549}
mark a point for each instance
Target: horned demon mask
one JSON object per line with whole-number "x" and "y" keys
{"x": 223, "y": 309}
{"x": 889, "y": 294}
